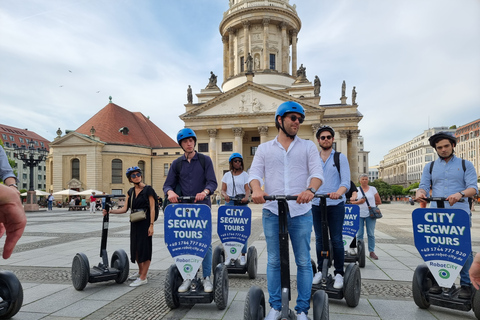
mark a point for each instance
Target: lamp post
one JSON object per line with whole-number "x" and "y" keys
{"x": 27, "y": 155}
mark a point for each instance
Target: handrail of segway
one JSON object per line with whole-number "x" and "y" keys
{"x": 287, "y": 197}
{"x": 109, "y": 196}
{"x": 430, "y": 199}
{"x": 186, "y": 198}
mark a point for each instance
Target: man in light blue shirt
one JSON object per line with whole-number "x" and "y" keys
{"x": 336, "y": 185}
{"x": 287, "y": 165}
{"x": 6, "y": 172}
{"x": 449, "y": 180}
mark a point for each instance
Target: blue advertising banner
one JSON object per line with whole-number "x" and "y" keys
{"x": 442, "y": 237}
{"x": 351, "y": 223}
{"x": 233, "y": 229}
{"x": 188, "y": 234}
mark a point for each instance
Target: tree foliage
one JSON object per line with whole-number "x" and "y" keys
{"x": 384, "y": 189}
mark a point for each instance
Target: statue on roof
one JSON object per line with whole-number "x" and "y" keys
{"x": 249, "y": 63}
{"x": 354, "y": 96}
{"x": 316, "y": 86}
{"x": 343, "y": 88}
{"x": 212, "y": 81}
{"x": 189, "y": 95}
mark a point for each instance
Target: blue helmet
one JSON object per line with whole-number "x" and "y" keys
{"x": 289, "y": 106}
{"x": 235, "y": 155}
{"x": 132, "y": 170}
{"x": 186, "y": 133}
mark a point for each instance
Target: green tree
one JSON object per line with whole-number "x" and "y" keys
{"x": 397, "y": 190}
{"x": 384, "y": 189}
{"x": 453, "y": 127}
{"x": 410, "y": 187}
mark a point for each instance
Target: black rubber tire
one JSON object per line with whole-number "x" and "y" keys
{"x": 120, "y": 262}
{"x": 476, "y": 302}
{"x": 173, "y": 280}
{"x": 80, "y": 271}
{"x": 420, "y": 286}
{"x": 220, "y": 285}
{"x": 361, "y": 253}
{"x": 11, "y": 292}
{"x": 218, "y": 256}
{"x": 314, "y": 266}
{"x": 352, "y": 285}
{"x": 252, "y": 262}
{"x": 320, "y": 305}
{"x": 254, "y": 304}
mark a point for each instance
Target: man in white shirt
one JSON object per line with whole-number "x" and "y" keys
{"x": 287, "y": 165}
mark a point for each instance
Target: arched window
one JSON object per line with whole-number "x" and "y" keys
{"x": 76, "y": 169}
{"x": 117, "y": 172}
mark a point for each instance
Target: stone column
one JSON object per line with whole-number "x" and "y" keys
{"x": 263, "y": 130}
{"x": 294, "y": 51}
{"x": 315, "y": 127}
{"x": 285, "y": 46}
{"x": 212, "y": 146}
{"x": 225, "y": 58}
{"x": 231, "y": 36}
{"x": 266, "y": 63}
{"x": 353, "y": 154}
{"x": 246, "y": 42}
{"x": 238, "y": 142}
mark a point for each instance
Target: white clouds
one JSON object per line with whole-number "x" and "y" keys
{"x": 412, "y": 62}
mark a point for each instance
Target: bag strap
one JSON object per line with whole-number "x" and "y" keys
{"x": 234, "y": 188}
{"x": 368, "y": 204}
{"x": 336, "y": 161}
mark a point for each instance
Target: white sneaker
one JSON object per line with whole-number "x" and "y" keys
{"x": 184, "y": 286}
{"x": 228, "y": 262}
{"x": 134, "y": 276}
{"x": 317, "y": 277}
{"x": 338, "y": 281}
{"x": 138, "y": 282}
{"x": 243, "y": 261}
{"x": 207, "y": 285}
{"x": 352, "y": 251}
{"x": 302, "y": 316}
{"x": 273, "y": 314}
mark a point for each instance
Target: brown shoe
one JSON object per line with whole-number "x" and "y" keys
{"x": 373, "y": 256}
{"x": 465, "y": 292}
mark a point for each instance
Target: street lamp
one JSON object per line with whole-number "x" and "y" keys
{"x": 27, "y": 155}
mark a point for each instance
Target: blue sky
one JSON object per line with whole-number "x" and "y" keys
{"x": 415, "y": 63}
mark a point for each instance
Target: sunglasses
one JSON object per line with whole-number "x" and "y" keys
{"x": 325, "y": 137}
{"x": 134, "y": 175}
{"x": 294, "y": 118}
{"x": 237, "y": 160}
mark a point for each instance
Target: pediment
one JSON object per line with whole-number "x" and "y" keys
{"x": 248, "y": 99}
{"x": 72, "y": 139}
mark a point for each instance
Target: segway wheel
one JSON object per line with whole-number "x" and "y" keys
{"x": 352, "y": 285}
{"x": 476, "y": 302}
{"x": 220, "y": 284}
{"x": 218, "y": 256}
{"x": 80, "y": 271}
{"x": 120, "y": 262}
{"x": 320, "y": 305}
{"x": 173, "y": 280}
{"x": 421, "y": 283}
{"x": 361, "y": 253}
{"x": 254, "y": 304}
{"x": 252, "y": 262}
{"x": 11, "y": 292}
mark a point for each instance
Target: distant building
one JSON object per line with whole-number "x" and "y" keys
{"x": 15, "y": 137}
{"x": 362, "y": 157}
{"x": 468, "y": 143}
{"x": 373, "y": 173}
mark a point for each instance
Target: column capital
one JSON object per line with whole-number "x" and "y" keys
{"x": 283, "y": 25}
{"x": 354, "y": 133}
{"x": 263, "y": 130}
{"x": 294, "y": 32}
{"x": 343, "y": 133}
{"x": 212, "y": 133}
{"x": 315, "y": 127}
{"x": 238, "y": 132}
{"x": 231, "y": 31}
{"x": 246, "y": 24}
{"x": 266, "y": 22}
{"x": 225, "y": 39}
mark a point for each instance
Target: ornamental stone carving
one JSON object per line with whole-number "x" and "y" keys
{"x": 212, "y": 133}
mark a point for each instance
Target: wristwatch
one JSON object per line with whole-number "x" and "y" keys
{"x": 462, "y": 193}
{"x": 13, "y": 185}
{"x": 312, "y": 190}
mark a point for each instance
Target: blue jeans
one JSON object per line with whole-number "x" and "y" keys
{"x": 207, "y": 263}
{"x": 464, "y": 276}
{"x": 50, "y": 205}
{"x": 300, "y": 230}
{"x": 335, "y": 217}
{"x": 370, "y": 224}
{"x": 230, "y": 203}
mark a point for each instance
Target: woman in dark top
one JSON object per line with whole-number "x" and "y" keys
{"x": 139, "y": 197}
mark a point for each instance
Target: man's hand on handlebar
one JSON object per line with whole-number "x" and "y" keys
{"x": 305, "y": 197}
{"x": 257, "y": 196}
{"x": 454, "y": 198}
{"x": 172, "y": 196}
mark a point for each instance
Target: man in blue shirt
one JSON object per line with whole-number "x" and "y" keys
{"x": 451, "y": 181}
{"x": 6, "y": 172}
{"x": 336, "y": 185}
{"x": 196, "y": 178}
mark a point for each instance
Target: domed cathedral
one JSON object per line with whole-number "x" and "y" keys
{"x": 261, "y": 71}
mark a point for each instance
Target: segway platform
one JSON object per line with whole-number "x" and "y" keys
{"x": 188, "y": 235}
{"x": 442, "y": 237}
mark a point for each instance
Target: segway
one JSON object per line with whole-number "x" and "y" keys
{"x": 118, "y": 271}
{"x": 255, "y": 302}
{"x": 350, "y": 228}
{"x": 233, "y": 229}
{"x": 352, "y": 281}
{"x": 11, "y": 295}
{"x": 188, "y": 234}
{"x": 442, "y": 237}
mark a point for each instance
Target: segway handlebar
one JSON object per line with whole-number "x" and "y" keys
{"x": 287, "y": 197}
{"x": 430, "y": 199}
{"x": 109, "y": 196}
{"x": 187, "y": 199}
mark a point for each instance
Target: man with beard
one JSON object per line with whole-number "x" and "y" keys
{"x": 336, "y": 185}
{"x": 195, "y": 177}
{"x": 287, "y": 165}
{"x": 452, "y": 178}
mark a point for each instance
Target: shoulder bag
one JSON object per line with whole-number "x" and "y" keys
{"x": 138, "y": 215}
{"x": 375, "y": 212}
